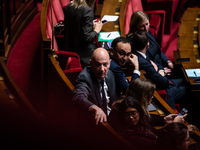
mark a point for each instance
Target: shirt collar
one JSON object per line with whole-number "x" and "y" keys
{"x": 142, "y": 54}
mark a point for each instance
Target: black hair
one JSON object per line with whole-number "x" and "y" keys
{"x": 117, "y": 40}
{"x": 139, "y": 40}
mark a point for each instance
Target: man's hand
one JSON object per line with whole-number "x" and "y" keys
{"x": 170, "y": 64}
{"x": 99, "y": 114}
{"x": 167, "y": 71}
{"x": 161, "y": 72}
{"x": 134, "y": 61}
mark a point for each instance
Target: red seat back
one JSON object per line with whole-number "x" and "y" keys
{"x": 58, "y": 10}
{"x": 133, "y": 5}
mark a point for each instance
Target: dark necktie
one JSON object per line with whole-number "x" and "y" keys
{"x": 104, "y": 97}
{"x": 153, "y": 64}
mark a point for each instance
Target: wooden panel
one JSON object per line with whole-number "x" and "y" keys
{"x": 14, "y": 17}
{"x": 188, "y": 28}
{"x": 191, "y": 14}
{"x": 18, "y": 4}
{"x": 111, "y": 8}
{"x": 187, "y": 42}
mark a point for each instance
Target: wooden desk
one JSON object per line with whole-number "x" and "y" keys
{"x": 188, "y": 45}
{"x": 188, "y": 28}
{"x": 191, "y": 14}
{"x": 187, "y": 42}
{"x": 195, "y": 87}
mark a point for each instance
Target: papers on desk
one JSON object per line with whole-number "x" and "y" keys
{"x": 108, "y": 36}
{"x": 151, "y": 107}
{"x": 193, "y": 72}
{"x": 109, "y": 18}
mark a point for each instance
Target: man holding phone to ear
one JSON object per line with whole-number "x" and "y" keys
{"x": 120, "y": 54}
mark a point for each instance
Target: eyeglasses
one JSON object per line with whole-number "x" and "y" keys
{"x": 123, "y": 53}
{"x": 131, "y": 113}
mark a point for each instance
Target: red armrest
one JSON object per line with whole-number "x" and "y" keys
{"x": 68, "y": 60}
{"x": 68, "y": 54}
{"x": 162, "y": 94}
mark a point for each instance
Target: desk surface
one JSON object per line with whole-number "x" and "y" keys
{"x": 188, "y": 44}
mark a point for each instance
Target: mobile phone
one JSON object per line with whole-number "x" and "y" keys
{"x": 183, "y": 112}
{"x": 104, "y": 21}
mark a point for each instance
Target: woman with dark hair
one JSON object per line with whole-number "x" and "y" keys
{"x": 132, "y": 123}
{"x": 175, "y": 136}
{"x": 143, "y": 89}
{"x": 81, "y": 29}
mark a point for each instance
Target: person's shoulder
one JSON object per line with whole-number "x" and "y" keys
{"x": 114, "y": 65}
{"x": 68, "y": 6}
{"x": 85, "y": 73}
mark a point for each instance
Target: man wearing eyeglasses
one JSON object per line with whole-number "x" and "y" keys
{"x": 120, "y": 54}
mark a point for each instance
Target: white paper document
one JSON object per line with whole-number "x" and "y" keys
{"x": 193, "y": 72}
{"x": 107, "y": 36}
{"x": 110, "y": 17}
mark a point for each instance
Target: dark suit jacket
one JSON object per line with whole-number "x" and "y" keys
{"x": 79, "y": 35}
{"x": 160, "y": 81}
{"x": 121, "y": 81}
{"x": 86, "y": 92}
{"x": 154, "y": 52}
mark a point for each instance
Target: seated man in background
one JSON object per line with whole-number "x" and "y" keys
{"x": 95, "y": 89}
{"x": 120, "y": 53}
{"x": 174, "y": 87}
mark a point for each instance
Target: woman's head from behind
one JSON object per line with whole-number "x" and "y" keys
{"x": 131, "y": 112}
{"x": 78, "y": 3}
{"x": 139, "y": 21}
{"x": 143, "y": 90}
{"x": 174, "y": 136}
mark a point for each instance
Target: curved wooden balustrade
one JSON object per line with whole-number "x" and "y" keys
{"x": 70, "y": 119}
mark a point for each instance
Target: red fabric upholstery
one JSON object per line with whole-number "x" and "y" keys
{"x": 156, "y": 17}
{"x": 70, "y": 64}
{"x": 155, "y": 21}
{"x": 162, "y": 94}
{"x": 169, "y": 6}
{"x": 57, "y": 8}
{"x": 55, "y": 21}
{"x": 157, "y": 25}
{"x": 68, "y": 61}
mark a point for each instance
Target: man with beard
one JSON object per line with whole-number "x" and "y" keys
{"x": 120, "y": 53}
